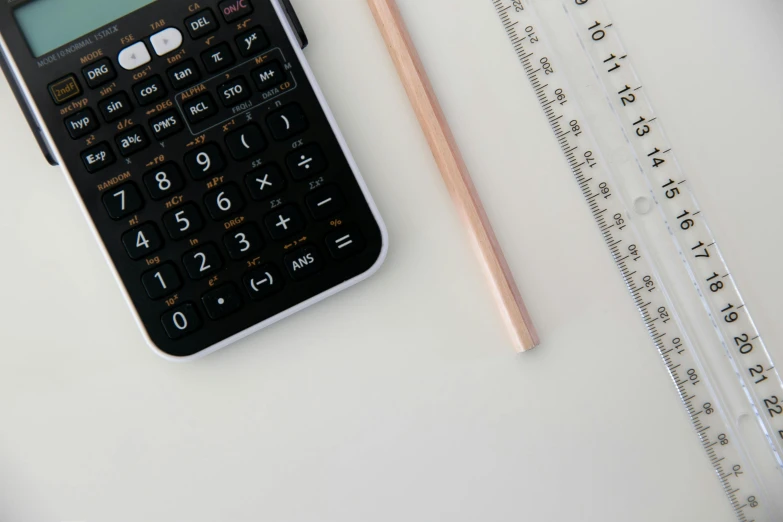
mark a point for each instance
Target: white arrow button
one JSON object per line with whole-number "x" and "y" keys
{"x": 166, "y": 41}
{"x": 134, "y": 56}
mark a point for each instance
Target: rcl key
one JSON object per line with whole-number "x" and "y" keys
{"x": 200, "y": 109}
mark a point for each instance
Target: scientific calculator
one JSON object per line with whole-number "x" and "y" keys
{"x": 202, "y": 152}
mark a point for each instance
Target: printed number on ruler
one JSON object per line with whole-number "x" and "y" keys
{"x": 717, "y": 290}
{"x": 699, "y": 250}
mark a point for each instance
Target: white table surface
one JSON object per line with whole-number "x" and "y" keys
{"x": 401, "y": 399}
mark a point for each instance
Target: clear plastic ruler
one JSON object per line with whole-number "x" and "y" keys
{"x": 659, "y": 239}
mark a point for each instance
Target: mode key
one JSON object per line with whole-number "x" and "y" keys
{"x": 99, "y": 73}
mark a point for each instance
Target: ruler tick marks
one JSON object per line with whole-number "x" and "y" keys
{"x": 679, "y": 213}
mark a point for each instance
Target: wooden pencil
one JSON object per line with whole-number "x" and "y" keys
{"x": 453, "y": 169}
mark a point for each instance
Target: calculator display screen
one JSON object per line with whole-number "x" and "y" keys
{"x": 49, "y": 24}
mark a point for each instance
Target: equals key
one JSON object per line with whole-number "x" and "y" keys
{"x": 252, "y": 42}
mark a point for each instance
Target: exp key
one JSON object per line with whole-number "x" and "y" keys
{"x": 98, "y": 157}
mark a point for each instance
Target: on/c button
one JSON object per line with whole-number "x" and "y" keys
{"x": 65, "y": 89}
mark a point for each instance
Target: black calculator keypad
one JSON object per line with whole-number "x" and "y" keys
{"x": 183, "y": 221}
{"x": 212, "y": 172}
{"x": 181, "y": 321}
{"x": 218, "y": 58}
{"x": 224, "y": 202}
{"x": 161, "y": 281}
{"x": 205, "y": 161}
{"x": 202, "y": 261}
{"x": 142, "y": 241}
{"x": 122, "y": 201}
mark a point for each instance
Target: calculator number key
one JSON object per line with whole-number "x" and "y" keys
{"x": 243, "y": 241}
{"x": 224, "y": 202}
{"x": 205, "y": 162}
{"x": 122, "y": 201}
{"x": 181, "y": 321}
{"x": 161, "y": 281}
{"x": 164, "y": 181}
{"x": 184, "y": 221}
{"x": 142, "y": 241}
{"x": 202, "y": 261}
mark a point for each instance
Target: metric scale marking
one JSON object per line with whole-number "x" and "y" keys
{"x": 680, "y": 349}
